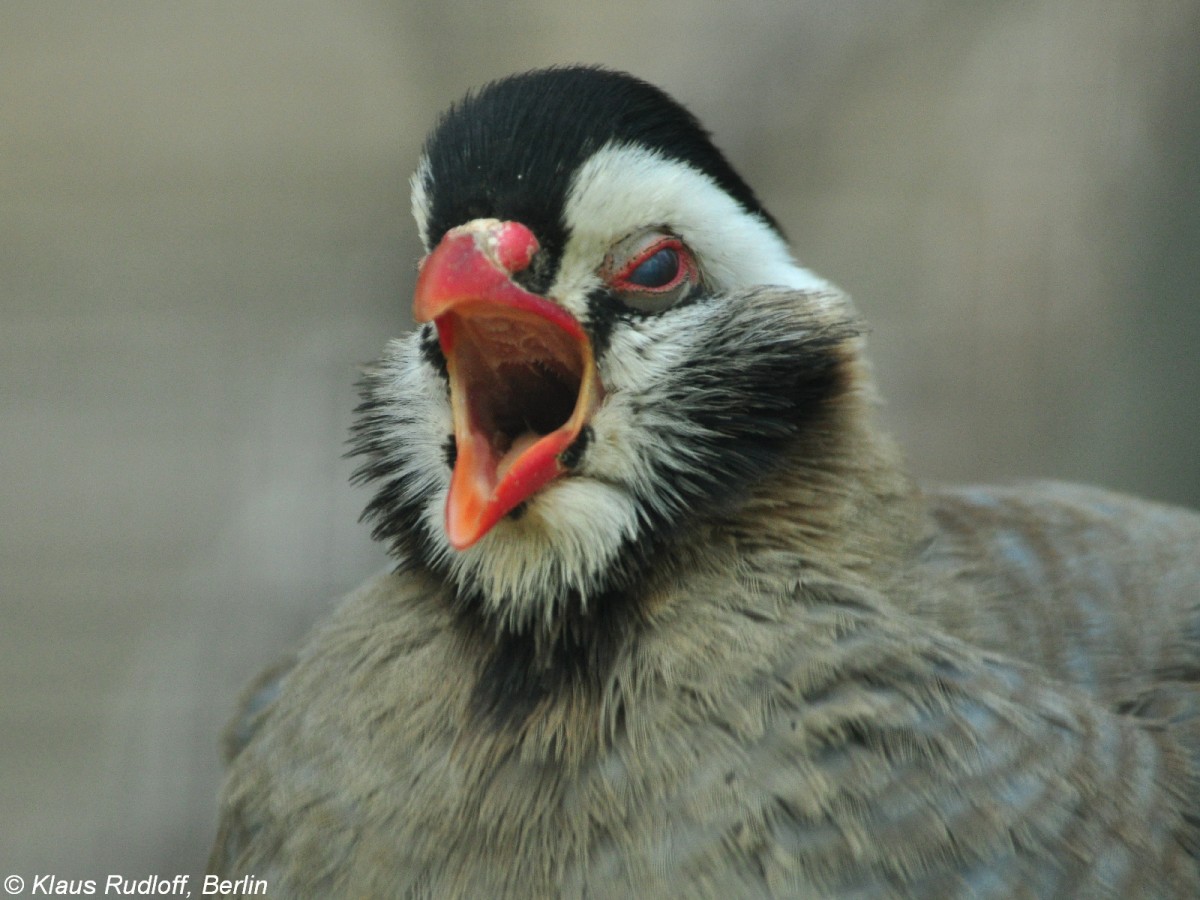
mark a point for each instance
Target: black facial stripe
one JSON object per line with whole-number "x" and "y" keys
{"x": 603, "y": 313}
{"x": 571, "y": 457}
{"x": 431, "y": 350}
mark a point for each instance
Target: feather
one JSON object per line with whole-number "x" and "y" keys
{"x": 732, "y": 650}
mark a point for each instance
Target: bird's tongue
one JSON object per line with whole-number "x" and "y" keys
{"x": 522, "y": 378}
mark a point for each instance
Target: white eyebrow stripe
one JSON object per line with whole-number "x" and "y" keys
{"x": 623, "y": 187}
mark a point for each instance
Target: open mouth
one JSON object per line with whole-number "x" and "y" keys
{"x": 522, "y": 386}
{"x": 514, "y": 378}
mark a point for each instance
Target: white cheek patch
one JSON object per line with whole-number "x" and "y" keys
{"x": 636, "y": 432}
{"x": 641, "y": 355}
{"x": 422, "y": 421}
{"x": 624, "y": 187}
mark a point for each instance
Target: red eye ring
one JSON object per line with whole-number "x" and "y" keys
{"x": 685, "y": 268}
{"x": 650, "y": 271}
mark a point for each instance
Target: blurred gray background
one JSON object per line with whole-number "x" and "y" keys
{"x": 204, "y": 230}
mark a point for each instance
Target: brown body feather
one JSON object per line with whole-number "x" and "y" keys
{"x": 841, "y": 686}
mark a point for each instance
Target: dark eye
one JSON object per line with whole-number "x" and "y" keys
{"x": 658, "y": 271}
{"x": 650, "y": 271}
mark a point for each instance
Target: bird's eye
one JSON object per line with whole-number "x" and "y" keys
{"x": 658, "y": 271}
{"x": 650, "y": 272}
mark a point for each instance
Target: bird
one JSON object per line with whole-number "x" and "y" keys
{"x": 668, "y": 614}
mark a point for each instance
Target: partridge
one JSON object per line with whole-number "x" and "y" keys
{"x": 668, "y": 617}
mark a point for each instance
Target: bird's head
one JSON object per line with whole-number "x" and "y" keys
{"x": 613, "y": 345}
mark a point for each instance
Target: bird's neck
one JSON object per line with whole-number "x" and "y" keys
{"x": 840, "y": 512}
{"x": 843, "y": 508}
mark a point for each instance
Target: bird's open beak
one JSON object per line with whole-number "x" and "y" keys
{"x": 523, "y": 381}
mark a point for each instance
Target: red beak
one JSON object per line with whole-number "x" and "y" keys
{"x": 523, "y": 382}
